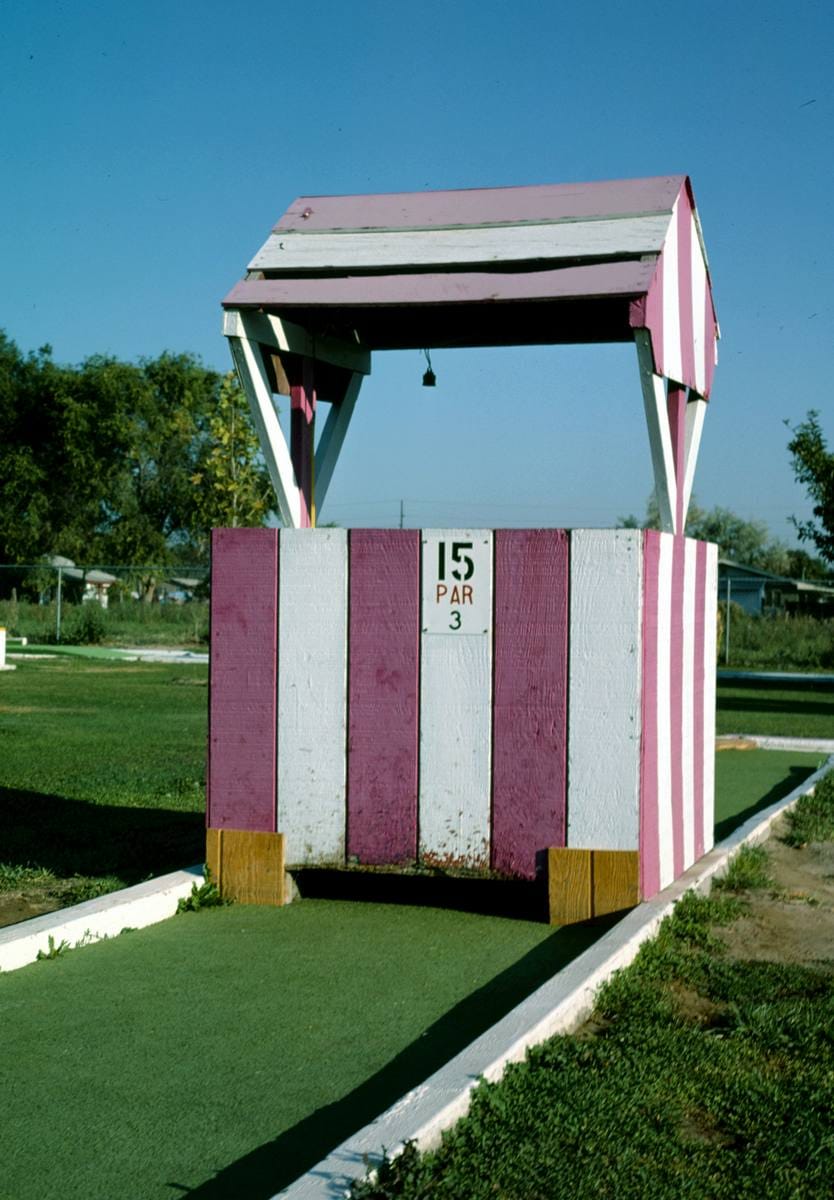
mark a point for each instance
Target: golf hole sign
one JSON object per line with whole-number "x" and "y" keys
{"x": 457, "y": 582}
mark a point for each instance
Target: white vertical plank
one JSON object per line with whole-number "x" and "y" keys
{"x": 604, "y": 689}
{"x": 455, "y": 731}
{"x": 699, "y": 299}
{"x": 657, "y": 423}
{"x": 710, "y": 634}
{"x": 672, "y": 357}
{"x": 687, "y": 707}
{"x": 312, "y": 687}
{"x": 664, "y": 711}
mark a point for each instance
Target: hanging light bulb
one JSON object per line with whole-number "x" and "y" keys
{"x": 429, "y": 377}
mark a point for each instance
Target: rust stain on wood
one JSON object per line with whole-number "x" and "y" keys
{"x": 247, "y": 866}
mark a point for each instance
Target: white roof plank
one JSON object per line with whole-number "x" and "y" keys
{"x": 596, "y": 238}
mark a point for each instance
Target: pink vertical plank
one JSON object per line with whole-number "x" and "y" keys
{"x": 530, "y": 697}
{"x": 698, "y": 697}
{"x": 676, "y": 698}
{"x": 676, "y": 410}
{"x": 302, "y": 436}
{"x": 243, "y": 673}
{"x": 383, "y": 682}
{"x": 649, "y": 799}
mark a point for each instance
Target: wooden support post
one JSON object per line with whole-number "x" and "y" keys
{"x": 583, "y": 884}
{"x": 333, "y": 434}
{"x": 657, "y": 421}
{"x": 248, "y": 867}
{"x": 262, "y": 347}
{"x": 302, "y": 436}
{"x": 696, "y": 408}
{"x": 676, "y": 409}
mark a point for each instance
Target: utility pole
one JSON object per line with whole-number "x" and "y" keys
{"x": 402, "y": 513}
{"x": 58, "y": 608}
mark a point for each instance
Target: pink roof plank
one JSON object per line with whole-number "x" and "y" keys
{"x": 465, "y": 287}
{"x": 483, "y": 206}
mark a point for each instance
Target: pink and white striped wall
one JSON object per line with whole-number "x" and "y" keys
{"x": 464, "y": 697}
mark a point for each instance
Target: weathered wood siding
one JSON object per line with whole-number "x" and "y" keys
{"x": 604, "y": 683}
{"x": 312, "y": 657}
{"x": 678, "y": 706}
{"x": 456, "y": 712}
{"x": 383, "y": 683}
{"x": 242, "y": 717}
{"x": 530, "y": 696}
{"x": 463, "y": 697}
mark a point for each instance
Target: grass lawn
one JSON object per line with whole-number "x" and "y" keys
{"x": 776, "y": 711}
{"x": 103, "y": 772}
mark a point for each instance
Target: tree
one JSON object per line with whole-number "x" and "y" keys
{"x": 231, "y": 481}
{"x": 112, "y": 462}
{"x": 813, "y": 465}
{"x": 744, "y": 541}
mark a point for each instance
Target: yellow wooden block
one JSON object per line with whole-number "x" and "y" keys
{"x": 569, "y": 885}
{"x": 616, "y": 880}
{"x": 247, "y": 867}
{"x": 590, "y": 883}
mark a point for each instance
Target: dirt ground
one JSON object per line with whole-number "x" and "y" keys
{"x": 35, "y": 899}
{"x": 792, "y": 921}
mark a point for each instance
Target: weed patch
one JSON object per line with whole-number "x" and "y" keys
{"x": 746, "y": 870}
{"x": 54, "y": 950}
{"x": 812, "y": 818}
{"x": 206, "y": 895}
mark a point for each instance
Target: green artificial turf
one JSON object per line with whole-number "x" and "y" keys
{"x": 776, "y": 711}
{"x": 103, "y": 767}
{"x": 221, "y": 1053}
{"x": 747, "y": 781}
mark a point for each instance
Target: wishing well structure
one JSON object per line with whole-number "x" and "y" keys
{"x": 511, "y": 701}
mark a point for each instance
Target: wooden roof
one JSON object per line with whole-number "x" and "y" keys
{"x": 500, "y": 266}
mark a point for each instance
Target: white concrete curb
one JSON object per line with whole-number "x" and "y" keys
{"x": 104, "y": 917}
{"x": 558, "y": 1006}
{"x": 805, "y": 745}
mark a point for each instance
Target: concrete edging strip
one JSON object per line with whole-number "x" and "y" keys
{"x": 558, "y": 1006}
{"x": 105, "y": 917}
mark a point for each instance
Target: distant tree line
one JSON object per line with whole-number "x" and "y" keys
{"x": 112, "y": 462}
{"x": 744, "y": 541}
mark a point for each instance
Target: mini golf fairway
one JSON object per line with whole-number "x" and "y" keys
{"x": 223, "y": 1052}
{"x": 746, "y": 781}
{"x": 242, "y": 1043}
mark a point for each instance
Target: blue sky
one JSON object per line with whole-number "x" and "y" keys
{"x": 147, "y": 149}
